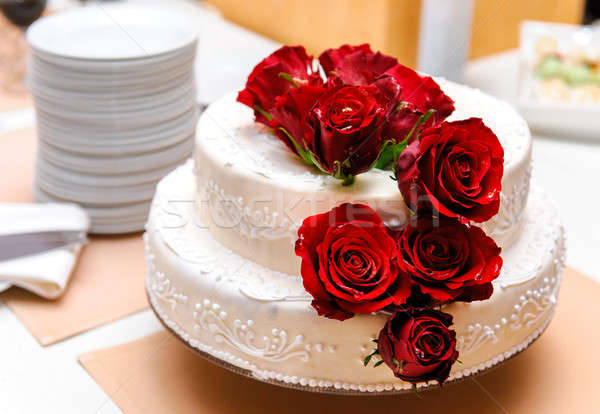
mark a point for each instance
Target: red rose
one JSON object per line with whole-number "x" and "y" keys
{"x": 419, "y": 95}
{"x": 359, "y": 65}
{"x": 284, "y": 69}
{"x": 456, "y": 169}
{"x": 355, "y": 65}
{"x": 348, "y": 262}
{"x": 348, "y": 122}
{"x": 448, "y": 260}
{"x": 418, "y": 346}
{"x": 291, "y": 112}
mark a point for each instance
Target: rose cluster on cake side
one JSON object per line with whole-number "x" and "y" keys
{"x": 352, "y": 110}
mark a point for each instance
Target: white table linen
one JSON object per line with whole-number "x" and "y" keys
{"x": 46, "y": 274}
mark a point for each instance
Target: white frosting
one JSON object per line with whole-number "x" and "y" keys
{"x": 254, "y": 193}
{"x": 260, "y": 320}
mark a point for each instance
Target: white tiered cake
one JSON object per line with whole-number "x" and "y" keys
{"x": 223, "y": 276}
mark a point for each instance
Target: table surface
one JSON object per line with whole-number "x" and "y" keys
{"x": 49, "y": 379}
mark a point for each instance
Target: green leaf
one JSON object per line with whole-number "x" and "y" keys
{"x": 417, "y": 126}
{"x": 391, "y": 151}
{"x": 385, "y": 157}
{"x": 368, "y": 357}
{"x": 316, "y": 162}
{"x": 304, "y": 154}
{"x": 386, "y": 154}
{"x": 288, "y": 78}
{"x": 263, "y": 112}
{"x": 399, "y": 364}
{"x": 378, "y": 363}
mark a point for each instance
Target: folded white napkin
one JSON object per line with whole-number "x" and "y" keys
{"x": 45, "y": 274}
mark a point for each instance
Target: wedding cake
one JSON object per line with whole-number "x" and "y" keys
{"x": 346, "y": 213}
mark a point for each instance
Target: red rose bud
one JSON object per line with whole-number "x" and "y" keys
{"x": 419, "y": 95}
{"x": 330, "y": 58}
{"x": 455, "y": 169}
{"x": 418, "y": 346}
{"x": 286, "y": 68}
{"x": 290, "y": 117}
{"x": 448, "y": 260}
{"x": 355, "y": 65}
{"x": 348, "y": 122}
{"x": 349, "y": 262}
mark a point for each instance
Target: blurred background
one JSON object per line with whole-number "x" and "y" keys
{"x": 392, "y": 26}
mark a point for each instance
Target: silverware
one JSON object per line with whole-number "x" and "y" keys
{"x": 13, "y": 246}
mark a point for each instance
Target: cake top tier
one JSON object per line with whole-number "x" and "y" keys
{"x": 253, "y": 193}
{"x": 228, "y": 132}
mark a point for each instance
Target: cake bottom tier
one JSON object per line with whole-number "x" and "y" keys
{"x": 261, "y": 322}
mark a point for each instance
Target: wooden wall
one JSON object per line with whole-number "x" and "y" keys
{"x": 388, "y": 25}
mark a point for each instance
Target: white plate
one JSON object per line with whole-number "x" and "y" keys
{"x": 107, "y": 90}
{"x": 146, "y": 66}
{"x": 110, "y": 95}
{"x": 118, "y": 121}
{"x": 97, "y": 137}
{"x": 68, "y": 176}
{"x": 109, "y": 132}
{"x": 133, "y": 227}
{"x": 116, "y": 149}
{"x": 111, "y": 32}
{"x": 116, "y": 166}
{"x": 107, "y": 220}
{"x": 105, "y": 214}
{"x": 91, "y": 104}
{"x": 95, "y": 196}
{"x": 62, "y": 80}
{"x": 553, "y": 116}
{"x": 566, "y": 119}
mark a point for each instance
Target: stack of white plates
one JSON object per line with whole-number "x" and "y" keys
{"x": 114, "y": 96}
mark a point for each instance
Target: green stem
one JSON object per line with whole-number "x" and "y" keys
{"x": 304, "y": 154}
{"x": 349, "y": 180}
